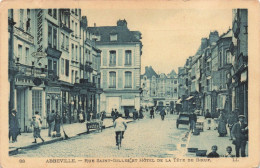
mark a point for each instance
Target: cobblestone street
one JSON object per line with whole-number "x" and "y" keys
{"x": 143, "y": 138}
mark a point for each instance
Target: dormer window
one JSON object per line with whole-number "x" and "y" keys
{"x": 113, "y": 37}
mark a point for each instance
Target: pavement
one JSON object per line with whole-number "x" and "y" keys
{"x": 207, "y": 139}
{"x": 72, "y": 130}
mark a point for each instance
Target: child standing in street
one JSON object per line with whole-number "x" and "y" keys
{"x": 214, "y": 153}
{"x": 36, "y": 129}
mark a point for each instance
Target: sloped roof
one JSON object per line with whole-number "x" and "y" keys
{"x": 123, "y": 34}
{"x": 227, "y": 34}
{"x": 149, "y": 72}
{"x": 172, "y": 73}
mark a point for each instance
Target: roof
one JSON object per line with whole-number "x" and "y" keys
{"x": 172, "y": 74}
{"x": 123, "y": 34}
{"x": 227, "y": 34}
{"x": 149, "y": 72}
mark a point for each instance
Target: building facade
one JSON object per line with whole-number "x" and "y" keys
{"x": 120, "y": 66}
{"x": 45, "y": 64}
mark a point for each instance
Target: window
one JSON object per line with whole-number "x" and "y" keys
{"x": 175, "y": 81}
{"x": 55, "y": 67}
{"x": 67, "y": 68}
{"x": 49, "y": 36}
{"x": 112, "y": 58}
{"x": 62, "y": 66}
{"x": 37, "y": 101}
{"x": 67, "y": 43}
{"x": 76, "y": 76}
{"x": 220, "y": 59}
{"x": 76, "y": 12}
{"x": 113, "y": 37}
{"x": 52, "y": 37}
{"x": 128, "y": 79}
{"x": 26, "y": 54}
{"x": 72, "y": 76}
{"x": 62, "y": 40}
{"x": 76, "y": 29}
{"x": 72, "y": 25}
{"x": 112, "y": 79}
{"x": 21, "y": 19}
{"x": 55, "y": 13}
{"x": 50, "y": 12}
{"x": 72, "y": 51}
{"x": 76, "y": 55}
{"x": 20, "y": 51}
{"x": 128, "y": 57}
{"x": 55, "y": 38}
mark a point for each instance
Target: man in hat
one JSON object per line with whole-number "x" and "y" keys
{"x": 13, "y": 126}
{"x": 51, "y": 121}
{"x": 240, "y": 135}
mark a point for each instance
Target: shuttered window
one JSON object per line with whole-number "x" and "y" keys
{"x": 67, "y": 67}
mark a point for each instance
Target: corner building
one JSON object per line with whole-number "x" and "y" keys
{"x": 120, "y": 66}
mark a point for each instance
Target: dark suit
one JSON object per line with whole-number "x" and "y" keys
{"x": 240, "y": 134}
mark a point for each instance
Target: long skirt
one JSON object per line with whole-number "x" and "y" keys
{"x": 222, "y": 130}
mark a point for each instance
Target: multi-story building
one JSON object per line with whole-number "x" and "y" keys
{"x": 238, "y": 76}
{"x": 159, "y": 90}
{"x": 149, "y": 87}
{"x": 120, "y": 66}
{"x": 44, "y": 63}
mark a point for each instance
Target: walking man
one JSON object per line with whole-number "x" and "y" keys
{"x": 192, "y": 120}
{"x": 162, "y": 113}
{"x": 13, "y": 126}
{"x": 36, "y": 129}
{"x": 240, "y": 136}
{"x": 120, "y": 127}
{"x": 152, "y": 113}
{"x": 50, "y": 121}
{"x": 113, "y": 115}
{"x": 208, "y": 119}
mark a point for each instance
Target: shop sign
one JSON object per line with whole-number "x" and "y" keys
{"x": 40, "y": 30}
{"x": 25, "y": 36}
{"x": 53, "y": 89}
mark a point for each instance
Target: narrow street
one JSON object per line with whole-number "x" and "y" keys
{"x": 143, "y": 138}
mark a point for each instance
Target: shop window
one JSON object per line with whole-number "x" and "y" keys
{"x": 37, "y": 101}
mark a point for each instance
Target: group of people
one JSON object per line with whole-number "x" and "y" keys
{"x": 236, "y": 124}
{"x": 53, "y": 120}
{"x": 214, "y": 154}
{"x": 54, "y": 123}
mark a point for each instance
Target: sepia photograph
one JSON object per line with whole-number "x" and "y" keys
{"x": 95, "y": 86}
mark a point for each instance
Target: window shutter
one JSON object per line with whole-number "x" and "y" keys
{"x": 67, "y": 68}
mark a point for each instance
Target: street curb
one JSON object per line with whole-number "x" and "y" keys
{"x": 16, "y": 151}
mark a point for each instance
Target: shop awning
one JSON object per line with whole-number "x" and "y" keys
{"x": 179, "y": 101}
{"x": 189, "y": 98}
{"x": 128, "y": 102}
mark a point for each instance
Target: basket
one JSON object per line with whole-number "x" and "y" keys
{"x": 192, "y": 150}
{"x": 201, "y": 153}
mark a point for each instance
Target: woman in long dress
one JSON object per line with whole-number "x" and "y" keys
{"x": 222, "y": 130}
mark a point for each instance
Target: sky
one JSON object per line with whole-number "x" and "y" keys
{"x": 169, "y": 36}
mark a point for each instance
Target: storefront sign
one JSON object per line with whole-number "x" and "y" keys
{"x": 40, "y": 30}
{"x": 53, "y": 89}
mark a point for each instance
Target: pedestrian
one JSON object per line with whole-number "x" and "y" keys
{"x": 57, "y": 124}
{"x": 208, "y": 119}
{"x": 240, "y": 136}
{"x": 126, "y": 113}
{"x": 51, "y": 122}
{"x": 141, "y": 116}
{"x": 222, "y": 130}
{"x": 38, "y": 117}
{"x": 135, "y": 114}
{"x": 229, "y": 152}
{"x": 232, "y": 119}
{"x": 152, "y": 113}
{"x": 215, "y": 117}
{"x": 13, "y": 126}
{"x": 163, "y": 113}
{"x": 120, "y": 127}
{"x": 192, "y": 120}
{"x": 113, "y": 115}
{"x": 81, "y": 117}
{"x": 214, "y": 153}
{"x": 36, "y": 129}
{"x": 116, "y": 114}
